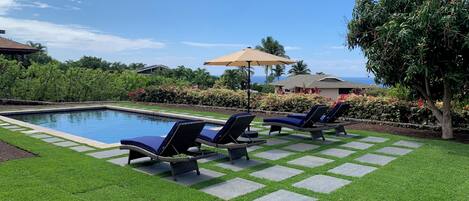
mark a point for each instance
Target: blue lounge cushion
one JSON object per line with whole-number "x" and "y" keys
{"x": 216, "y": 135}
{"x": 209, "y": 135}
{"x": 150, "y": 143}
{"x": 286, "y": 120}
{"x": 297, "y": 116}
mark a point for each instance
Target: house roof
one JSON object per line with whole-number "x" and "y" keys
{"x": 318, "y": 81}
{"x": 8, "y": 46}
{"x": 147, "y": 68}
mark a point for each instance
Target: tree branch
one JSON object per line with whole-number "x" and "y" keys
{"x": 431, "y": 105}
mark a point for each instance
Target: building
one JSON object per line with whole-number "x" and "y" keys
{"x": 325, "y": 85}
{"x": 9, "y": 47}
{"x": 155, "y": 69}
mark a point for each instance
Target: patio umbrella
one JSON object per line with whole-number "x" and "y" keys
{"x": 247, "y": 58}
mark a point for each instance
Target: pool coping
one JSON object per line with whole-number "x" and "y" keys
{"x": 87, "y": 141}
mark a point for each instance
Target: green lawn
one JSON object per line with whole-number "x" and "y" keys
{"x": 439, "y": 170}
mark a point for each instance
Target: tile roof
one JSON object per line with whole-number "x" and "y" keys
{"x": 9, "y": 46}
{"x": 318, "y": 81}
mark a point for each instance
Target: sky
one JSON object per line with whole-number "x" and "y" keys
{"x": 186, "y": 32}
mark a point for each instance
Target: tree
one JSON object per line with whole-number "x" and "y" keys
{"x": 272, "y": 46}
{"x": 278, "y": 71}
{"x": 299, "y": 68}
{"x": 232, "y": 79}
{"x": 422, "y": 45}
{"x": 135, "y": 66}
{"x": 90, "y": 62}
{"x": 202, "y": 78}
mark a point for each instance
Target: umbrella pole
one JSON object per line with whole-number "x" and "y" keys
{"x": 249, "y": 86}
{"x": 249, "y": 91}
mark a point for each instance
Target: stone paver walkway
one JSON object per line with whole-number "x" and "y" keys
{"x": 322, "y": 183}
{"x": 301, "y": 147}
{"x": 339, "y": 153}
{"x": 357, "y": 145}
{"x": 276, "y": 173}
{"x": 275, "y": 141}
{"x": 108, "y": 153}
{"x": 40, "y": 136}
{"x": 239, "y": 164}
{"x": 30, "y": 132}
{"x": 153, "y": 169}
{"x": 212, "y": 158}
{"x": 352, "y": 170}
{"x": 191, "y": 178}
{"x": 232, "y": 188}
{"x": 122, "y": 161}
{"x": 394, "y": 151}
{"x": 284, "y": 195}
{"x": 65, "y": 144}
{"x": 310, "y": 161}
{"x": 375, "y": 159}
{"x": 253, "y": 148}
{"x": 374, "y": 139}
{"x": 82, "y": 148}
{"x": 52, "y": 139}
{"x": 274, "y": 154}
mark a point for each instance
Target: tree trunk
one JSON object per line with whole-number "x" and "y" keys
{"x": 442, "y": 115}
{"x": 447, "y": 120}
{"x": 447, "y": 125}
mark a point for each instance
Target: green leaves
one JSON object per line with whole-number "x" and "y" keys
{"x": 403, "y": 39}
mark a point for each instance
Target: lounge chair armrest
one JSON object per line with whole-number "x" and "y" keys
{"x": 252, "y": 142}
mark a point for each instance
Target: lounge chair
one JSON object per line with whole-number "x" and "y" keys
{"x": 307, "y": 124}
{"x": 174, "y": 148}
{"x": 330, "y": 118}
{"x": 227, "y": 137}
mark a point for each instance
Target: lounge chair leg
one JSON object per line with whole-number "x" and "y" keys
{"x": 339, "y": 130}
{"x": 173, "y": 173}
{"x": 237, "y": 153}
{"x": 317, "y": 134}
{"x": 134, "y": 155}
{"x": 183, "y": 167}
{"x": 274, "y": 129}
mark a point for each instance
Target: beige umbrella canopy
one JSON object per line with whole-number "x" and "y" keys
{"x": 246, "y": 58}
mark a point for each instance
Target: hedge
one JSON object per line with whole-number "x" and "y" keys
{"x": 362, "y": 107}
{"x": 226, "y": 98}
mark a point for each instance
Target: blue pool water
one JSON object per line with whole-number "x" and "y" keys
{"x": 108, "y": 126}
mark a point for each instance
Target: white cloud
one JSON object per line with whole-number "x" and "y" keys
{"x": 338, "y": 47}
{"x": 7, "y": 5}
{"x": 292, "y": 48}
{"x": 38, "y": 4}
{"x": 72, "y": 37}
{"x": 208, "y": 45}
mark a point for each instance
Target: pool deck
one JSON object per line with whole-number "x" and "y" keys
{"x": 87, "y": 141}
{"x": 301, "y": 168}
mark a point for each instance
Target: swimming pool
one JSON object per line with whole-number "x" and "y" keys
{"x": 103, "y": 125}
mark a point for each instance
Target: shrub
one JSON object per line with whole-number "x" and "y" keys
{"x": 291, "y": 102}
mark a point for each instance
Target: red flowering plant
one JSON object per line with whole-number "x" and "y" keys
{"x": 137, "y": 95}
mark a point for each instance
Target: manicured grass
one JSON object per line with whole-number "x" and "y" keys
{"x": 439, "y": 170}
{"x": 62, "y": 174}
